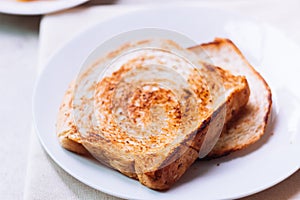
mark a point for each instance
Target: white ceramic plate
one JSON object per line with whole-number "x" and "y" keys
{"x": 262, "y": 165}
{"x": 36, "y": 7}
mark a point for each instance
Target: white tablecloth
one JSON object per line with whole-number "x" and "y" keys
{"x": 43, "y": 179}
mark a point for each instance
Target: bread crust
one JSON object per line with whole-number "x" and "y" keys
{"x": 67, "y": 133}
{"x": 250, "y": 123}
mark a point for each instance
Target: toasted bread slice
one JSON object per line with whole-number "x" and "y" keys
{"x": 250, "y": 123}
{"x": 157, "y": 169}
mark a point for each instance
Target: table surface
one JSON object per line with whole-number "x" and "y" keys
{"x": 19, "y": 37}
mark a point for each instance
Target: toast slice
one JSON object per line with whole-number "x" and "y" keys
{"x": 154, "y": 162}
{"x": 250, "y": 123}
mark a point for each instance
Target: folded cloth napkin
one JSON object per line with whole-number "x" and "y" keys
{"x": 45, "y": 179}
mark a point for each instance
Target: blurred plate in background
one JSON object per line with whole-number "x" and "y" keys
{"x": 36, "y": 7}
